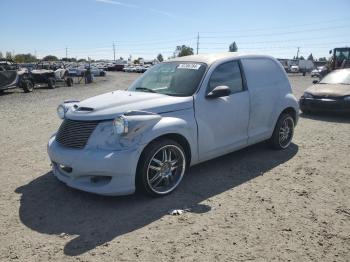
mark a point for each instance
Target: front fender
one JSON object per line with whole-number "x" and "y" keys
{"x": 290, "y": 101}
{"x": 180, "y": 123}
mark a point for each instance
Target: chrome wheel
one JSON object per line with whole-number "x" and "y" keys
{"x": 166, "y": 169}
{"x": 286, "y": 132}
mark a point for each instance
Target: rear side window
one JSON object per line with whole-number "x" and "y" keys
{"x": 263, "y": 73}
{"x": 227, "y": 74}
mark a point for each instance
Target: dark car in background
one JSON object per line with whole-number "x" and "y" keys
{"x": 332, "y": 93}
{"x": 115, "y": 67}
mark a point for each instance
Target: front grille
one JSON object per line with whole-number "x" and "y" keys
{"x": 75, "y": 134}
{"x": 328, "y": 97}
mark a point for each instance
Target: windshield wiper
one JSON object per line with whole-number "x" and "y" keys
{"x": 146, "y": 89}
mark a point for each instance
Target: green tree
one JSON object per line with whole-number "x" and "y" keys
{"x": 50, "y": 58}
{"x": 301, "y": 58}
{"x": 183, "y": 50}
{"x": 310, "y": 57}
{"x": 233, "y": 47}
{"x": 24, "y": 58}
{"x": 1, "y": 56}
{"x": 9, "y": 55}
{"x": 72, "y": 59}
{"x": 160, "y": 58}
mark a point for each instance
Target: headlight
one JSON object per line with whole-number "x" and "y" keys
{"x": 120, "y": 125}
{"x": 307, "y": 95}
{"x": 61, "y": 111}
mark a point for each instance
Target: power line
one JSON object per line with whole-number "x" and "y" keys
{"x": 277, "y": 34}
{"x": 298, "y": 52}
{"x": 197, "y": 42}
{"x": 279, "y": 27}
{"x": 113, "y": 51}
{"x": 276, "y": 41}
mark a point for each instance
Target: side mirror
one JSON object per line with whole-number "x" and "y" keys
{"x": 315, "y": 81}
{"x": 219, "y": 91}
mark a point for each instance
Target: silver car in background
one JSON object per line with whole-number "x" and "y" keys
{"x": 179, "y": 113}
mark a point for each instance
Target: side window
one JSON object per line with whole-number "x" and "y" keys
{"x": 227, "y": 74}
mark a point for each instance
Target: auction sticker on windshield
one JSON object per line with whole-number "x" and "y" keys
{"x": 189, "y": 66}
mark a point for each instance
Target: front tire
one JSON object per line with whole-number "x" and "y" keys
{"x": 27, "y": 86}
{"x": 161, "y": 167}
{"x": 283, "y": 134}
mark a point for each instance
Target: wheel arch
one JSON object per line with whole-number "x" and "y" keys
{"x": 287, "y": 110}
{"x": 179, "y": 138}
{"x": 291, "y": 111}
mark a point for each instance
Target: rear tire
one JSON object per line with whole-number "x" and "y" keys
{"x": 51, "y": 83}
{"x": 283, "y": 134}
{"x": 27, "y": 86}
{"x": 161, "y": 167}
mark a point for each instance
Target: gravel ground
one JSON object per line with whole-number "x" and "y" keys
{"x": 254, "y": 204}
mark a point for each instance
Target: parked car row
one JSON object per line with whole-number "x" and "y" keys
{"x": 136, "y": 68}
{"x": 29, "y": 76}
{"x": 81, "y": 71}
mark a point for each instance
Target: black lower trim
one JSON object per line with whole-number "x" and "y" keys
{"x": 325, "y": 104}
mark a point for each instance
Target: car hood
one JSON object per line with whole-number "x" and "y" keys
{"x": 110, "y": 105}
{"x": 331, "y": 90}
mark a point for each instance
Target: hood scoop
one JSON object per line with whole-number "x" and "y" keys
{"x": 84, "y": 109}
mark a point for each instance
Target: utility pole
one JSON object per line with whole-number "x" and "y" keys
{"x": 298, "y": 52}
{"x": 197, "y": 42}
{"x": 113, "y": 51}
{"x": 66, "y": 53}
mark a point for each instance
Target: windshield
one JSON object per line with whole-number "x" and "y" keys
{"x": 337, "y": 77}
{"x": 342, "y": 54}
{"x": 171, "y": 78}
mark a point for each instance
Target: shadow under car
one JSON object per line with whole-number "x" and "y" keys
{"x": 48, "y": 206}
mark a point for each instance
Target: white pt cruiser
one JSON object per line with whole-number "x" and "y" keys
{"x": 179, "y": 113}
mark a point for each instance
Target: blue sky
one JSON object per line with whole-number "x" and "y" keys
{"x": 146, "y": 28}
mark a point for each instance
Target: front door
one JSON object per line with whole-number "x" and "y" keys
{"x": 222, "y": 121}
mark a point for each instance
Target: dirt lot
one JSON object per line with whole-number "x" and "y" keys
{"x": 254, "y": 204}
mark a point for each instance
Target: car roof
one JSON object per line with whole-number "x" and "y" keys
{"x": 215, "y": 57}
